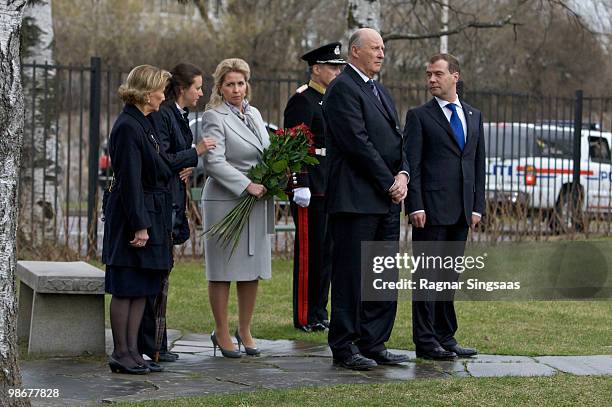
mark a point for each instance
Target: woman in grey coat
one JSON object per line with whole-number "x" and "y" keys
{"x": 241, "y": 138}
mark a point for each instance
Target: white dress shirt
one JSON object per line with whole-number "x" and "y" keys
{"x": 180, "y": 109}
{"x": 361, "y": 74}
{"x": 447, "y": 112}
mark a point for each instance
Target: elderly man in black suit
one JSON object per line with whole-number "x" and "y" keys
{"x": 445, "y": 149}
{"x": 367, "y": 180}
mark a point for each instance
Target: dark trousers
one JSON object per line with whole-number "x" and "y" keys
{"x": 311, "y": 263}
{"x": 356, "y": 326}
{"x": 148, "y": 327}
{"x": 434, "y": 323}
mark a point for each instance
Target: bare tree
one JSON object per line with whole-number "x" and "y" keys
{"x": 463, "y": 18}
{"x": 11, "y": 130}
{"x": 367, "y": 13}
{"x": 363, "y": 13}
{"x": 41, "y": 172}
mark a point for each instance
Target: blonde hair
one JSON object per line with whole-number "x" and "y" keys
{"x": 141, "y": 81}
{"x": 226, "y": 66}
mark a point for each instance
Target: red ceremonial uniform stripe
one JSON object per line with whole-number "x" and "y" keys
{"x": 303, "y": 266}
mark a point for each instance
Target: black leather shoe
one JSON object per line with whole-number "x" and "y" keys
{"x": 356, "y": 362}
{"x": 319, "y": 327}
{"x": 461, "y": 351}
{"x": 436, "y": 354}
{"x": 154, "y": 367}
{"x": 163, "y": 357}
{"x": 305, "y": 328}
{"x": 384, "y": 357}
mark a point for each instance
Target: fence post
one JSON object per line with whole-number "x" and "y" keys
{"x": 576, "y": 191}
{"x": 95, "y": 95}
{"x": 577, "y": 137}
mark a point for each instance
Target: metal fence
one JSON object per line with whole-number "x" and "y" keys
{"x": 548, "y": 159}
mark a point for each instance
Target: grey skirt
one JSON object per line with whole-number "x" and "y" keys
{"x": 252, "y": 257}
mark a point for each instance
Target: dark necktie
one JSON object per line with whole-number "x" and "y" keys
{"x": 455, "y": 123}
{"x": 374, "y": 89}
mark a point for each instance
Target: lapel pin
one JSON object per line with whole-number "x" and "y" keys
{"x": 470, "y": 112}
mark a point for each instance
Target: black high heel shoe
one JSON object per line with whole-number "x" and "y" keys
{"x": 117, "y": 367}
{"x": 234, "y": 354}
{"x": 151, "y": 365}
{"x": 249, "y": 351}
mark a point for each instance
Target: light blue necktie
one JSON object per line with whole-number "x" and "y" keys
{"x": 456, "y": 125}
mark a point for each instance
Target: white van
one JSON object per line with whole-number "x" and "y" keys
{"x": 532, "y": 165}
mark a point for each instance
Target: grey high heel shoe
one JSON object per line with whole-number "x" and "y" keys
{"x": 234, "y": 354}
{"x": 249, "y": 351}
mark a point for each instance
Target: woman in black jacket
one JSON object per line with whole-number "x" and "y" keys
{"x": 138, "y": 218}
{"x": 172, "y": 124}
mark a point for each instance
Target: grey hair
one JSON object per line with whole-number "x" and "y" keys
{"x": 355, "y": 40}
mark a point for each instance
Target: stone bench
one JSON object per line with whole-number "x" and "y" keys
{"x": 61, "y": 307}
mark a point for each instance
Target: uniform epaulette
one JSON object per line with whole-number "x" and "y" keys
{"x": 301, "y": 88}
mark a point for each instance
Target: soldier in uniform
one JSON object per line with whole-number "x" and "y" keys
{"x": 312, "y": 252}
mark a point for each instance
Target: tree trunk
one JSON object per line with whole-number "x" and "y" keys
{"x": 42, "y": 155}
{"x": 363, "y": 13}
{"x": 11, "y": 131}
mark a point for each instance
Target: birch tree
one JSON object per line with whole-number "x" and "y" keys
{"x": 41, "y": 171}
{"x": 11, "y": 131}
{"x": 363, "y": 13}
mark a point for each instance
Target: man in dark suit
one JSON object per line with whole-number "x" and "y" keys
{"x": 445, "y": 149}
{"x": 312, "y": 250}
{"x": 367, "y": 179}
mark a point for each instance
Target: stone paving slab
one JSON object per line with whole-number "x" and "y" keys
{"x": 283, "y": 364}
{"x": 192, "y": 343}
{"x": 499, "y": 369}
{"x": 188, "y": 349}
{"x": 499, "y": 359}
{"x": 579, "y": 365}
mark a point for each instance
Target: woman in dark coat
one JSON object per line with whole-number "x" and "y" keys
{"x": 138, "y": 219}
{"x": 183, "y": 91}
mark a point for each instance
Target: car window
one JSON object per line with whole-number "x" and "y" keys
{"x": 508, "y": 141}
{"x": 599, "y": 150}
{"x": 554, "y": 142}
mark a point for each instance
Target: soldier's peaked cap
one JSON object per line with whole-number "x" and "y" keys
{"x": 327, "y": 54}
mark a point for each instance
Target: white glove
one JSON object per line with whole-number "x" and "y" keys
{"x": 301, "y": 196}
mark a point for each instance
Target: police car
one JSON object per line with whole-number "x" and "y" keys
{"x": 530, "y": 166}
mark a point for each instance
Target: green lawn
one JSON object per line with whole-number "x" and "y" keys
{"x": 500, "y": 327}
{"x": 558, "y": 390}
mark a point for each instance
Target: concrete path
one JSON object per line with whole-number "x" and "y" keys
{"x": 283, "y": 364}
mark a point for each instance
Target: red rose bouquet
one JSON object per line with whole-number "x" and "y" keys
{"x": 289, "y": 150}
